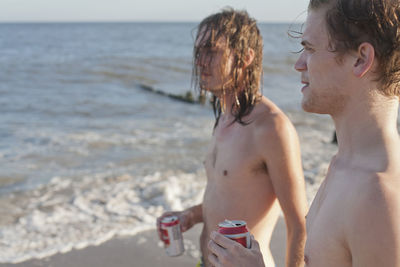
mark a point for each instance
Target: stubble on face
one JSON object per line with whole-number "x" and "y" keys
{"x": 330, "y": 101}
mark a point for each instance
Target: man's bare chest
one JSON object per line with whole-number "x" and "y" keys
{"x": 232, "y": 154}
{"x": 325, "y": 228}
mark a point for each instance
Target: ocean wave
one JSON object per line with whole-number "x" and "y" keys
{"x": 69, "y": 214}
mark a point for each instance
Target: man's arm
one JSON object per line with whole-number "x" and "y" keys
{"x": 194, "y": 214}
{"x": 373, "y": 234}
{"x": 281, "y": 152}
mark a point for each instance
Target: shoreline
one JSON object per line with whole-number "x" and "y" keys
{"x": 143, "y": 250}
{"x": 66, "y": 211}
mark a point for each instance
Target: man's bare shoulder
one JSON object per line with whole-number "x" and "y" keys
{"x": 268, "y": 118}
{"x": 271, "y": 125}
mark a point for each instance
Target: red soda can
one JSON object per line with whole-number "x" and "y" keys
{"x": 235, "y": 230}
{"x": 172, "y": 236}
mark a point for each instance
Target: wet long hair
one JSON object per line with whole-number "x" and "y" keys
{"x": 352, "y": 22}
{"x": 241, "y": 33}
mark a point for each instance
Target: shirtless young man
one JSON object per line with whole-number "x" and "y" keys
{"x": 253, "y": 163}
{"x": 350, "y": 68}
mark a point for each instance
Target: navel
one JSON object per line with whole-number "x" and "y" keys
{"x": 225, "y": 172}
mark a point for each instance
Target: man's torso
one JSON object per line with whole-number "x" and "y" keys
{"x": 239, "y": 187}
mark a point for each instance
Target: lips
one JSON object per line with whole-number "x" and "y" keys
{"x": 306, "y": 84}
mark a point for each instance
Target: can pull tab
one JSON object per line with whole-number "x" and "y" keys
{"x": 230, "y": 222}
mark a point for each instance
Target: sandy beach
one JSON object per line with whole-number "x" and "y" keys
{"x": 143, "y": 250}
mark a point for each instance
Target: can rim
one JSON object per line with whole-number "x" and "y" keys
{"x": 239, "y": 227}
{"x": 170, "y": 221}
{"x": 238, "y": 223}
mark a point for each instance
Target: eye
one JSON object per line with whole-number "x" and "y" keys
{"x": 306, "y": 46}
{"x": 299, "y": 51}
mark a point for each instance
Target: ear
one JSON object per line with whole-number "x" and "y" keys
{"x": 364, "y": 59}
{"x": 249, "y": 57}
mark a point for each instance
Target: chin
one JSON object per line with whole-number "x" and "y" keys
{"x": 310, "y": 107}
{"x": 306, "y": 108}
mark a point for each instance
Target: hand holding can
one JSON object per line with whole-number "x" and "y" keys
{"x": 235, "y": 230}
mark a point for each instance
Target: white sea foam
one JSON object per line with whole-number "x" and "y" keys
{"x": 89, "y": 202}
{"x": 66, "y": 214}
{"x": 73, "y": 213}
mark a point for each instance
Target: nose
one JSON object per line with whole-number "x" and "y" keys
{"x": 301, "y": 64}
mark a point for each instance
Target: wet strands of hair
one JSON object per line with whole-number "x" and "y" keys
{"x": 241, "y": 35}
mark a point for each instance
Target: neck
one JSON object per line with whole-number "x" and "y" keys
{"x": 227, "y": 100}
{"x": 367, "y": 127}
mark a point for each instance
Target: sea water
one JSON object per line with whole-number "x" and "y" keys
{"x": 85, "y": 153}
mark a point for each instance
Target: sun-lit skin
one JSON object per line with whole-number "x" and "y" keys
{"x": 247, "y": 190}
{"x": 355, "y": 216}
{"x": 252, "y": 170}
{"x": 353, "y": 220}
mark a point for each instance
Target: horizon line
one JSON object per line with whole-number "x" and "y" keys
{"x": 128, "y": 21}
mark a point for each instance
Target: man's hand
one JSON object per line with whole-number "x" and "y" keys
{"x": 186, "y": 218}
{"x": 227, "y": 253}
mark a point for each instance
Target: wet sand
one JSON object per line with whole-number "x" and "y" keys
{"x": 143, "y": 250}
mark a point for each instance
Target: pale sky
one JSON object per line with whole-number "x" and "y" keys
{"x": 146, "y": 10}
